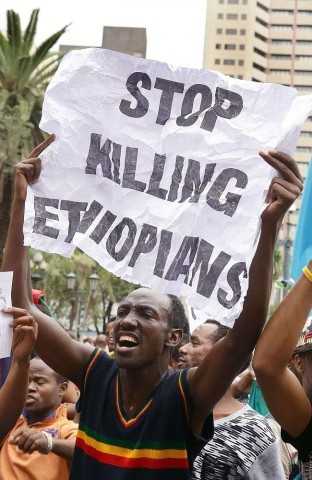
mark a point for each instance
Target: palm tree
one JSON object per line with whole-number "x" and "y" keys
{"x": 24, "y": 74}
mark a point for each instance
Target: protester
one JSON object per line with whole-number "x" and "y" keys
{"x": 244, "y": 445}
{"x": 88, "y": 340}
{"x": 101, "y": 342}
{"x": 41, "y": 443}
{"x": 110, "y": 336}
{"x": 13, "y": 391}
{"x": 246, "y": 386}
{"x": 246, "y": 389}
{"x": 289, "y": 397}
{"x": 137, "y": 419}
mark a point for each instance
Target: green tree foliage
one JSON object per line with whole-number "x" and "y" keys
{"x": 24, "y": 74}
{"x": 96, "y": 305}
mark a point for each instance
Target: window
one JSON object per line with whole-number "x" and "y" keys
{"x": 218, "y": 46}
{"x": 242, "y": 47}
{"x": 231, "y": 31}
{"x": 243, "y": 16}
{"x": 219, "y": 30}
{"x": 276, "y": 56}
{"x": 221, "y": 2}
{"x": 241, "y": 63}
{"x": 220, "y": 15}
{"x": 263, "y": 7}
{"x": 232, "y": 16}
{"x": 245, "y": 2}
{"x": 233, "y": 2}
{"x": 242, "y": 31}
{"x": 258, "y": 67}
{"x": 281, "y": 28}
{"x": 304, "y": 72}
{"x": 282, "y": 42}
{"x": 260, "y": 37}
{"x": 259, "y": 52}
{"x": 217, "y": 61}
{"x": 304, "y": 149}
{"x": 230, "y": 46}
{"x": 262, "y": 22}
{"x": 228, "y": 62}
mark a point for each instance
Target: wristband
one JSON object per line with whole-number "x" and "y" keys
{"x": 307, "y": 273}
{"x": 49, "y": 439}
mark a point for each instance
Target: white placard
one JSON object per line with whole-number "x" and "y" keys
{"x": 6, "y": 332}
{"x": 155, "y": 172}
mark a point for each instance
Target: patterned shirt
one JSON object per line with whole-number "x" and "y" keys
{"x": 303, "y": 444}
{"x": 157, "y": 443}
{"x": 243, "y": 447}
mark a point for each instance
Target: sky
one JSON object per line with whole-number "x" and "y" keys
{"x": 175, "y": 28}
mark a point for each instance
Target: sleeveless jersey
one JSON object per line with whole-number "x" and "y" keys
{"x": 156, "y": 444}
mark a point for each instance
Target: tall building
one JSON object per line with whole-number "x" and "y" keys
{"x": 266, "y": 41}
{"x": 237, "y": 38}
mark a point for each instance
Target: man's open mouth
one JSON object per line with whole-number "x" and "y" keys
{"x": 127, "y": 341}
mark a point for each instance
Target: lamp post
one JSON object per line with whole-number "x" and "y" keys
{"x": 38, "y": 267}
{"x": 93, "y": 282}
{"x": 71, "y": 279}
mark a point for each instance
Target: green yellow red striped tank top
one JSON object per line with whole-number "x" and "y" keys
{"x": 155, "y": 445}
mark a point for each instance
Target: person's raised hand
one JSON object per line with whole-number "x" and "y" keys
{"x": 28, "y": 170}
{"x": 25, "y": 332}
{"x": 284, "y": 189}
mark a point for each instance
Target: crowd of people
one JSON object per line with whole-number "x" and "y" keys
{"x": 150, "y": 399}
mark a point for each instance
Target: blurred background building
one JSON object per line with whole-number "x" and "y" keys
{"x": 130, "y": 40}
{"x": 126, "y": 40}
{"x": 266, "y": 41}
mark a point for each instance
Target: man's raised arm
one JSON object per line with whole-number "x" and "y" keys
{"x": 285, "y": 396}
{"x": 211, "y": 379}
{"x": 54, "y": 345}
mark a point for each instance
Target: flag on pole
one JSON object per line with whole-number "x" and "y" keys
{"x": 303, "y": 242}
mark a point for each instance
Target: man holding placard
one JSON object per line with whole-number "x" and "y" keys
{"x": 159, "y": 192}
{"x": 136, "y": 419}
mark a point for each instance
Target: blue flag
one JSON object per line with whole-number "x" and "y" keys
{"x": 303, "y": 242}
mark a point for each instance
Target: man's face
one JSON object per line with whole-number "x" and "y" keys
{"x": 141, "y": 329}
{"x": 194, "y": 352}
{"x": 44, "y": 392}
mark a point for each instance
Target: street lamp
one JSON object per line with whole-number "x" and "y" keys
{"x": 38, "y": 268}
{"x": 93, "y": 281}
{"x": 71, "y": 280}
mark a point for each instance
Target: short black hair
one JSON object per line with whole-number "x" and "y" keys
{"x": 178, "y": 318}
{"x": 220, "y": 332}
{"x": 59, "y": 378}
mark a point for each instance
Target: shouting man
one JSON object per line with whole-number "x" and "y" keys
{"x": 137, "y": 420}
